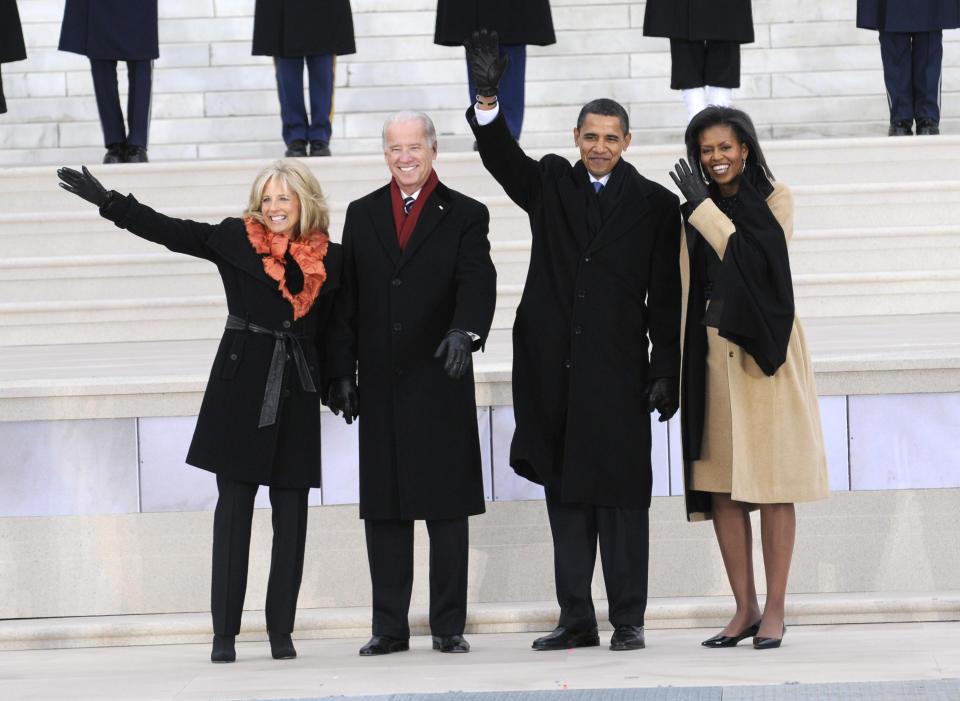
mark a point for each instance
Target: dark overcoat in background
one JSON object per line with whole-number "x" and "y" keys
{"x": 227, "y": 440}
{"x": 699, "y": 20}
{"x": 119, "y": 30}
{"x": 516, "y": 21}
{"x": 11, "y": 33}
{"x": 303, "y": 28}
{"x": 419, "y": 446}
{"x": 580, "y": 346}
{"x": 908, "y": 15}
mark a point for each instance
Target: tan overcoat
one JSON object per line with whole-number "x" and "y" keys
{"x": 777, "y": 440}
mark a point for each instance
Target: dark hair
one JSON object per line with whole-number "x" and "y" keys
{"x": 742, "y": 126}
{"x": 605, "y": 107}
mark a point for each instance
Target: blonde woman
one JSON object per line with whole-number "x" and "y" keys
{"x": 260, "y": 411}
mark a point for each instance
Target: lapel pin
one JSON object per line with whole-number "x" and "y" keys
{"x": 440, "y": 206}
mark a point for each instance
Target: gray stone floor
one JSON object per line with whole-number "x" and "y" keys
{"x": 855, "y": 661}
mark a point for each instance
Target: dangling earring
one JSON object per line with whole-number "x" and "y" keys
{"x": 743, "y": 167}
{"x": 706, "y": 176}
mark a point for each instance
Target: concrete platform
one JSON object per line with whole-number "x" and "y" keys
{"x": 673, "y": 664}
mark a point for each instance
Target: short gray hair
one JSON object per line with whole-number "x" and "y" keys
{"x": 410, "y": 116}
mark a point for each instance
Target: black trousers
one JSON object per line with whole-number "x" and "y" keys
{"x": 140, "y": 85}
{"x": 231, "y": 554}
{"x": 695, "y": 64}
{"x": 912, "y": 66}
{"x": 390, "y": 553}
{"x": 624, "y": 540}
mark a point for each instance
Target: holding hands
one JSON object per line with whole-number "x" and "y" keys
{"x": 690, "y": 184}
{"x": 486, "y": 63}
{"x": 83, "y": 185}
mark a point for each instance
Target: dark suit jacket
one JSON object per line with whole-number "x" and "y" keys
{"x": 123, "y": 30}
{"x": 593, "y": 295}
{"x": 696, "y": 20}
{"x": 419, "y": 446}
{"x": 303, "y": 28}
{"x": 11, "y": 34}
{"x": 908, "y": 15}
{"x": 515, "y": 21}
{"x": 227, "y": 440}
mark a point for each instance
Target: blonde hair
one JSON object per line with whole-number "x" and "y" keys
{"x": 314, "y": 213}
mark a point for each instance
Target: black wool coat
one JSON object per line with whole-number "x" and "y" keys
{"x": 516, "y": 21}
{"x": 303, "y": 28}
{"x": 122, "y": 30}
{"x": 419, "y": 445}
{"x": 11, "y": 33}
{"x": 227, "y": 439}
{"x": 908, "y": 15}
{"x": 699, "y": 20}
{"x": 593, "y": 295}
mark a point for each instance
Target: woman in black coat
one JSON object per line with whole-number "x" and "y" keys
{"x": 518, "y": 24}
{"x": 107, "y": 31}
{"x": 11, "y": 40}
{"x": 295, "y": 32}
{"x": 911, "y": 48}
{"x": 705, "y": 38}
{"x": 259, "y": 421}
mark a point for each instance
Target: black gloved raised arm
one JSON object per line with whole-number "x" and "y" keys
{"x": 455, "y": 349}
{"x": 83, "y": 185}
{"x": 344, "y": 396}
{"x": 690, "y": 184}
{"x": 663, "y": 394}
{"x": 486, "y": 63}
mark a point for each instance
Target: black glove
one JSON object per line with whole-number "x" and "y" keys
{"x": 456, "y": 347}
{"x": 342, "y": 395}
{"x": 663, "y": 394}
{"x": 690, "y": 184}
{"x": 83, "y": 185}
{"x": 486, "y": 63}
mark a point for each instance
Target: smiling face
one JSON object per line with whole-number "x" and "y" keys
{"x": 601, "y": 142}
{"x": 280, "y": 208}
{"x": 722, "y": 157}
{"x": 408, "y": 154}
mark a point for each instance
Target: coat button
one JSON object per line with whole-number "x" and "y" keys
{"x": 398, "y": 371}
{"x": 286, "y": 393}
{"x": 396, "y": 282}
{"x": 286, "y": 324}
{"x": 578, "y": 329}
{"x": 398, "y": 326}
{"x": 233, "y": 356}
{"x": 586, "y": 259}
{"x": 581, "y": 293}
{"x": 731, "y": 354}
{"x": 567, "y": 364}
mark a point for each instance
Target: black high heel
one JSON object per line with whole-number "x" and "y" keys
{"x": 731, "y": 640}
{"x": 223, "y": 648}
{"x": 769, "y": 643}
{"x": 281, "y": 646}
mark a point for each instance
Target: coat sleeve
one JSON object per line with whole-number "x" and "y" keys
{"x": 663, "y": 292}
{"x": 517, "y": 173}
{"x": 476, "y": 278}
{"x": 342, "y": 328}
{"x": 178, "y": 235}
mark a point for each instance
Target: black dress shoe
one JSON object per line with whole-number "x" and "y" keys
{"x": 319, "y": 148}
{"x": 296, "y": 149}
{"x": 927, "y": 127}
{"x": 450, "y": 643}
{"x": 563, "y": 639}
{"x": 223, "y": 649}
{"x": 769, "y": 643}
{"x": 384, "y": 645}
{"x": 899, "y": 127}
{"x": 731, "y": 640}
{"x": 136, "y": 154}
{"x": 281, "y": 646}
{"x": 627, "y": 638}
{"x": 116, "y": 153}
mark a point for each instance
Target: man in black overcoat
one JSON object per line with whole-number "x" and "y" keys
{"x": 11, "y": 40}
{"x": 911, "y": 48}
{"x": 518, "y": 24}
{"x": 107, "y": 31}
{"x": 298, "y": 32}
{"x": 604, "y": 276}
{"x": 419, "y": 291}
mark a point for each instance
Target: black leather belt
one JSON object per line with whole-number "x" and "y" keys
{"x": 285, "y": 340}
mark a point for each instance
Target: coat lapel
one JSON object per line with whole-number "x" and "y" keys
{"x": 381, "y": 217}
{"x": 573, "y": 199}
{"x": 433, "y": 212}
{"x": 232, "y": 243}
{"x": 631, "y": 206}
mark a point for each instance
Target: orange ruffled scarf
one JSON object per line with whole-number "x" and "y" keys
{"x": 309, "y": 254}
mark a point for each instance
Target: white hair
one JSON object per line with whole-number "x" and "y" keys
{"x": 410, "y": 116}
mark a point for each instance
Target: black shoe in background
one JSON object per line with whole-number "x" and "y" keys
{"x": 900, "y": 127}
{"x": 116, "y": 153}
{"x": 296, "y": 149}
{"x": 136, "y": 154}
{"x": 927, "y": 127}
{"x": 319, "y": 148}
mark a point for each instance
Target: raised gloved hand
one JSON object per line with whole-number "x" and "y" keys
{"x": 690, "y": 184}
{"x": 83, "y": 185}
{"x": 456, "y": 350}
{"x": 486, "y": 63}
{"x": 342, "y": 395}
{"x": 663, "y": 394}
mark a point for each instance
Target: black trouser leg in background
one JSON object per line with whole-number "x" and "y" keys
{"x": 449, "y": 548}
{"x": 231, "y": 553}
{"x": 574, "y": 531}
{"x": 624, "y": 555}
{"x": 390, "y": 554}
{"x": 286, "y": 561}
{"x": 105, "y": 89}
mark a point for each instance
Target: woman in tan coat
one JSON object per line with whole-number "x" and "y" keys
{"x": 750, "y": 422}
